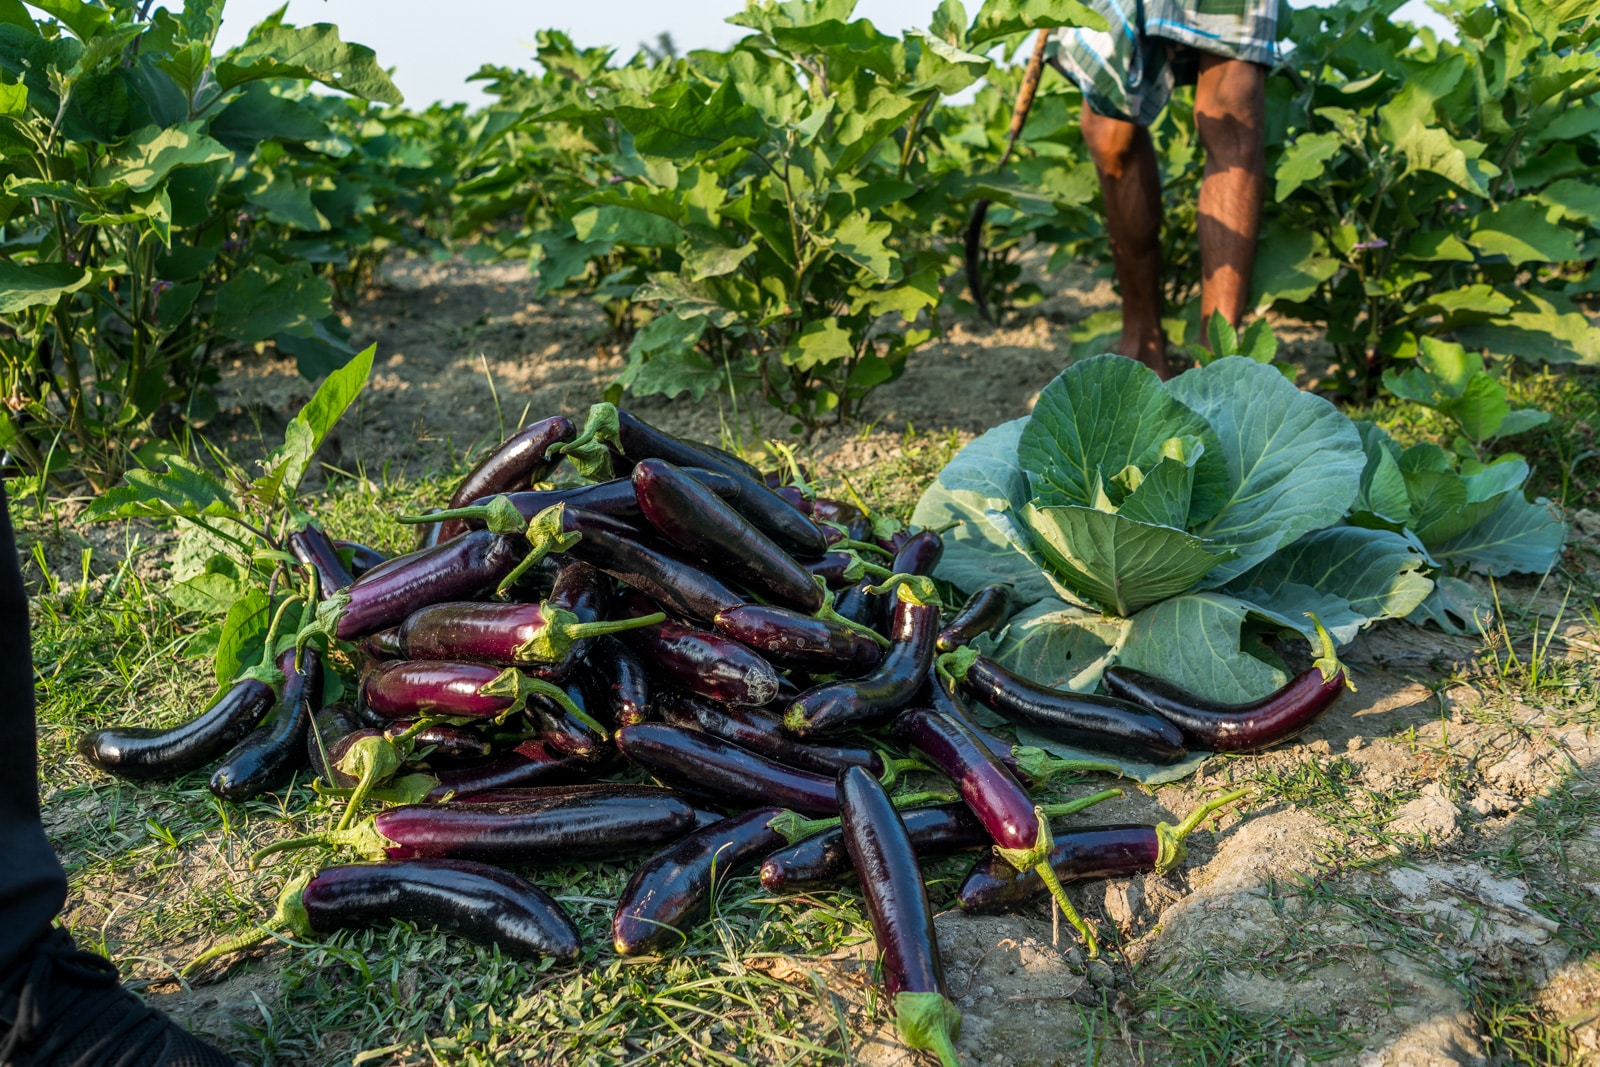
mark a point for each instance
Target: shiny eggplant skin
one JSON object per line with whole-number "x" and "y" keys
{"x": 506, "y": 635}
{"x": 560, "y": 824}
{"x": 826, "y": 509}
{"x": 919, "y": 554}
{"x": 269, "y": 754}
{"x": 762, "y": 733}
{"x": 705, "y": 663}
{"x": 383, "y": 645}
{"x": 144, "y": 752}
{"x": 1276, "y": 717}
{"x": 1096, "y": 722}
{"x": 792, "y": 640}
{"x": 463, "y": 568}
{"x": 615, "y": 681}
{"x": 671, "y": 891}
{"x": 709, "y": 766}
{"x": 446, "y": 742}
{"x": 768, "y": 511}
{"x": 984, "y": 610}
{"x": 1117, "y": 851}
{"x": 823, "y": 858}
{"x": 936, "y": 693}
{"x": 831, "y": 567}
{"x": 887, "y": 688}
{"x": 312, "y": 548}
{"x": 530, "y": 763}
{"x": 363, "y": 558}
{"x": 615, "y": 497}
{"x": 481, "y": 903}
{"x": 886, "y": 866}
{"x": 679, "y": 586}
{"x": 336, "y": 727}
{"x": 518, "y": 462}
{"x": 562, "y": 731}
{"x": 695, "y": 519}
{"x": 407, "y": 688}
{"x": 995, "y": 797}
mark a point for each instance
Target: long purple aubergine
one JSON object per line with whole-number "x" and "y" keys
{"x": 559, "y": 824}
{"x": 481, "y": 903}
{"x": 508, "y": 635}
{"x": 984, "y": 610}
{"x": 518, "y": 462}
{"x": 530, "y": 763}
{"x": 409, "y": 688}
{"x": 610, "y": 426}
{"x": 616, "y": 682}
{"x": 463, "y": 568}
{"x": 822, "y": 857}
{"x": 314, "y": 550}
{"x": 709, "y": 766}
{"x": 762, "y": 733}
{"x": 695, "y": 519}
{"x": 271, "y": 753}
{"x": 705, "y": 663}
{"x": 615, "y": 497}
{"x": 1117, "y": 851}
{"x": 902, "y": 922}
{"x": 671, "y": 891}
{"x": 145, "y": 752}
{"x": 802, "y": 642}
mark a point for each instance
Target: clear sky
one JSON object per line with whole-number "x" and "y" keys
{"x": 433, "y": 47}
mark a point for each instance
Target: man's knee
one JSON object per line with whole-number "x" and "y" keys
{"x": 1113, "y": 144}
{"x": 1230, "y": 108}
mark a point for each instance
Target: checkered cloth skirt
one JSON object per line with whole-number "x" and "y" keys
{"x": 1129, "y": 71}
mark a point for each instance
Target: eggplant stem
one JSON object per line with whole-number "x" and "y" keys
{"x": 1328, "y": 663}
{"x": 1040, "y": 766}
{"x": 917, "y": 588}
{"x": 963, "y": 658}
{"x": 500, "y": 515}
{"x": 862, "y": 546}
{"x": 371, "y": 763}
{"x": 1038, "y": 859}
{"x": 545, "y": 535}
{"x": 928, "y": 1022}
{"x": 1171, "y": 850}
{"x": 1072, "y": 807}
{"x": 519, "y": 687}
{"x": 588, "y": 451}
{"x": 894, "y": 768}
{"x": 827, "y": 614}
{"x": 290, "y": 912}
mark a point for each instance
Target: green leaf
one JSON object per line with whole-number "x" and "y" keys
{"x": 314, "y": 52}
{"x": 861, "y": 241}
{"x": 1164, "y": 492}
{"x": 1290, "y": 263}
{"x": 307, "y": 430}
{"x": 85, "y": 20}
{"x": 208, "y": 594}
{"x": 1573, "y": 199}
{"x": 183, "y": 490}
{"x": 713, "y": 261}
{"x": 1412, "y": 107}
{"x": 1304, "y": 161}
{"x": 1480, "y": 408}
{"x": 153, "y": 153}
{"x": 1501, "y": 476}
{"x": 1293, "y": 460}
{"x": 1366, "y": 574}
{"x": 1521, "y": 421}
{"x": 1194, "y": 642}
{"x": 24, "y": 287}
{"x": 1524, "y": 232}
{"x": 1115, "y": 562}
{"x": 258, "y": 114}
{"x": 1383, "y": 486}
{"x": 1428, "y": 149}
{"x": 267, "y": 298}
{"x": 614, "y": 225}
{"x": 823, "y": 341}
{"x": 1455, "y": 607}
{"x": 284, "y": 197}
{"x": 1543, "y": 326}
{"x": 1516, "y": 538}
{"x": 244, "y": 635}
{"x": 686, "y": 123}
{"x": 1002, "y": 18}
{"x": 984, "y": 476}
{"x": 1097, "y": 417}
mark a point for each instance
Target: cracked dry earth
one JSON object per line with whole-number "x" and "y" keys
{"x": 1427, "y": 850}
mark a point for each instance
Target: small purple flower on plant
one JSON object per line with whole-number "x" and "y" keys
{"x": 158, "y": 287}
{"x": 1368, "y": 246}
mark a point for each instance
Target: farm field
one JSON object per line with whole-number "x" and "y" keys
{"x": 1417, "y": 882}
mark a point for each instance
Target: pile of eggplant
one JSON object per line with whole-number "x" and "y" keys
{"x": 684, "y": 659}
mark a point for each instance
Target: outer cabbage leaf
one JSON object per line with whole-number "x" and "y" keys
{"x": 1058, "y": 645}
{"x": 1097, "y": 417}
{"x": 1293, "y": 461}
{"x": 1516, "y": 538}
{"x": 982, "y": 477}
{"x": 1193, "y": 641}
{"x": 1348, "y": 575}
{"x": 1115, "y": 562}
{"x": 1455, "y": 606}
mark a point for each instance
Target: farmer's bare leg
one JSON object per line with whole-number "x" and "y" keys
{"x": 1230, "y": 114}
{"x": 1131, "y": 182}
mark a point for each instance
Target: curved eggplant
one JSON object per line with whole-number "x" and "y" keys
{"x": 518, "y": 462}
{"x": 271, "y": 753}
{"x": 143, "y": 752}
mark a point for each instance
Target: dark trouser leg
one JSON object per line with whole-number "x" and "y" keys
{"x": 32, "y": 884}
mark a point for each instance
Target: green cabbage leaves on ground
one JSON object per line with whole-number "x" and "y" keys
{"x": 1172, "y": 526}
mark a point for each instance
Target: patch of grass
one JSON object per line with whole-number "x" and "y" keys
{"x": 893, "y": 485}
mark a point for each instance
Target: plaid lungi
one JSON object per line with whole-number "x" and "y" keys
{"x": 1129, "y": 72}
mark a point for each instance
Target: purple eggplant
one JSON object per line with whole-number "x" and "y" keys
{"x": 705, "y": 663}
{"x": 709, "y": 766}
{"x": 271, "y": 753}
{"x": 1275, "y": 717}
{"x": 615, "y": 498}
{"x": 1118, "y": 851}
{"x": 671, "y": 891}
{"x": 695, "y": 519}
{"x": 1089, "y": 721}
{"x": 483, "y": 904}
{"x": 507, "y": 635}
{"x": 616, "y": 682}
{"x": 530, "y": 763}
{"x": 315, "y": 552}
{"x": 902, "y": 923}
{"x": 890, "y": 685}
{"x": 464, "y": 568}
{"x": 363, "y": 558}
{"x": 144, "y": 752}
{"x": 518, "y": 462}
{"x": 559, "y": 824}
{"x": 789, "y": 639}
{"x": 406, "y": 689}
{"x": 762, "y": 733}
{"x": 984, "y": 610}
